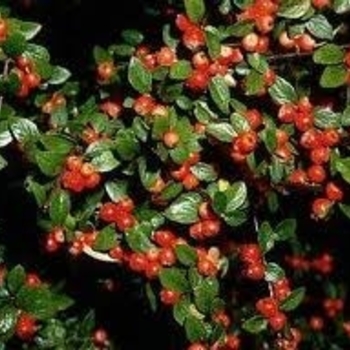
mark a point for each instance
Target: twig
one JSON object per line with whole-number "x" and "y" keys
{"x": 99, "y": 256}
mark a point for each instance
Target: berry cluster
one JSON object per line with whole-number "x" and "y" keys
{"x": 79, "y": 175}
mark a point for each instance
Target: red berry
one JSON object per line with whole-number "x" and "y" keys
{"x": 171, "y": 139}
{"x": 3, "y": 29}
{"x": 278, "y": 322}
{"x": 138, "y": 262}
{"x": 316, "y": 323}
{"x": 108, "y": 212}
{"x": 254, "y": 118}
{"x": 190, "y": 181}
{"x": 320, "y": 4}
{"x": 144, "y": 105}
{"x": 197, "y": 346}
{"x": 316, "y": 173}
{"x": 74, "y": 163}
{"x": 164, "y": 238}
{"x": 105, "y": 70}
{"x": 207, "y": 267}
{"x": 330, "y": 137}
{"x": 321, "y": 207}
{"x": 255, "y": 272}
{"x": 25, "y": 327}
{"x": 320, "y": 155}
{"x": 169, "y": 297}
{"x": 183, "y": 22}
{"x": 167, "y": 257}
{"x": 166, "y": 57}
{"x": 193, "y": 38}
{"x": 200, "y": 61}
{"x": 250, "y": 253}
{"x": 286, "y": 113}
{"x": 51, "y": 245}
{"x": 33, "y": 280}
{"x": 246, "y": 142}
{"x": 152, "y": 269}
{"x": 267, "y": 307}
{"x": 198, "y": 80}
{"x": 334, "y": 192}
{"x": 32, "y": 80}
{"x": 305, "y": 42}
{"x": 100, "y": 337}
{"x": 250, "y": 42}
{"x": 310, "y": 139}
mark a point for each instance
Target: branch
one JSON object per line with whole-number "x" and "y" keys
{"x": 99, "y": 256}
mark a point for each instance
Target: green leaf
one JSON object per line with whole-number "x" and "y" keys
{"x": 138, "y": 237}
{"x": 294, "y": 8}
{"x": 171, "y": 191}
{"x": 8, "y": 319}
{"x": 181, "y": 310}
{"x": 329, "y": 54}
{"x": 239, "y": 29}
{"x": 341, "y": 6}
{"x": 345, "y": 209}
{"x": 15, "y": 278}
{"x": 195, "y": 329}
{"x": 204, "y": 172}
{"x": 255, "y": 324}
{"x": 50, "y": 163}
{"x": 205, "y": 293}
{"x": 3, "y": 163}
{"x": 239, "y": 122}
{"x": 28, "y": 29}
{"x": 60, "y": 206}
{"x": 273, "y": 272}
{"x": 320, "y": 27}
{"x": 326, "y": 118}
{"x": 186, "y": 254}
{"x": 195, "y": 9}
{"x": 283, "y": 92}
{"x": 15, "y": 45}
{"x": 236, "y": 196}
{"x": 132, "y": 37}
{"x": 254, "y": 83}
{"x": 345, "y": 117}
{"x": 23, "y": 129}
{"x": 286, "y": 229}
{"x": 139, "y": 76}
{"x": 101, "y": 55}
{"x": 222, "y": 131}
{"x": 293, "y": 300}
{"x": 116, "y": 190}
{"x": 258, "y": 62}
{"x": 213, "y": 40}
{"x": 333, "y": 76}
{"x": 106, "y": 239}
{"x": 59, "y": 76}
{"x": 127, "y": 144}
{"x": 266, "y": 237}
{"x": 220, "y": 93}
{"x": 342, "y": 165}
{"x": 174, "y": 279}
{"x": 105, "y": 162}
{"x": 57, "y": 143}
{"x": 37, "y": 53}
{"x": 41, "y": 302}
{"x": 180, "y": 70}
{"x": 184, "y": 210}
{"x": 151, "y": 296}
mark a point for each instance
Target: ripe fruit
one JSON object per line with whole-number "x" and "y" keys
{"x": 3, "y": 29}
{"x": 334, "y": 192}
{"x": 321, "y": 207}
{"x": 278, "y": 321}
{"x": 305, "y": 42}
{"x": 250, "y": 42}
{"x": 198, "y": 80}
{"x": 316, "y": 173}
{"x": 197, "y": 346}
{"x": 171, "y": 139}
{"x": 166, "y": 57}
{"x": 193, "y": 38}
{"x": 100, "y": 337}
{"x": 26, "y": 327}
{"x": 33, "y": 280}
{"x": 267, "y": 307}
{"x": 105, "y": 70}
{"x": 169, "y": 297}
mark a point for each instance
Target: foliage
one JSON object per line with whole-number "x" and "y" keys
{"x": 178, "y": 160}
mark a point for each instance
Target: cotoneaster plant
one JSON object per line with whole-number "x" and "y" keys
{"x": 199, "y": 149}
